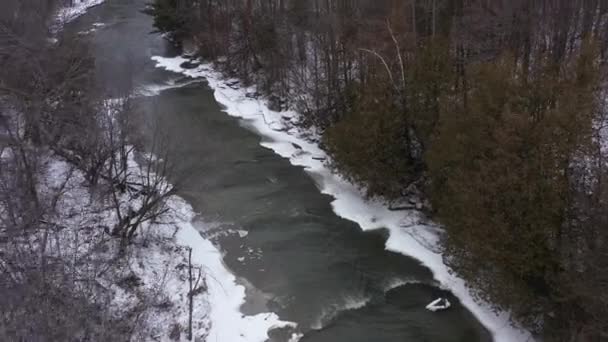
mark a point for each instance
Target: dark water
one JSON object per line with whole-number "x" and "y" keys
{"x": 298, "y": 258}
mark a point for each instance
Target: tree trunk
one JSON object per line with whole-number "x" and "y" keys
{"x": 190, "y": 294}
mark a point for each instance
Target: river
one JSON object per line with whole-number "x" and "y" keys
{"x": 279, "y": 234}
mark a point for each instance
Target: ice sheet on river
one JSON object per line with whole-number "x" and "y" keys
{"x": 407, "y": 234}
{"x": 224, "y": 295}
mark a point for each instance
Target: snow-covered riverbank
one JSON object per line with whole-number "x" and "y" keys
{"x": 69, "y": 13}
{"x": 154, "y": 275}
{"x": 407, "y": 234}
{"x": 151, "y": 280}
{"x": 223, "y": 295}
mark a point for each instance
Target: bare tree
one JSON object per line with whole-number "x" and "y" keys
{"x": 196, "y": 286}
{"x": 138, "y": 193}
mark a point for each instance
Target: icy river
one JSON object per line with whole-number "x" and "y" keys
{"x": 305, "y": 247}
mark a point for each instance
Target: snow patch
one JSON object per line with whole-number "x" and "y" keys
{"x": 70, "y": 13}
{"x": 159, "y": 260}
{"x": 407, "y": 234}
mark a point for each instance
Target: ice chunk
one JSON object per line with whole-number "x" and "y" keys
{"x": 439, "y": 304}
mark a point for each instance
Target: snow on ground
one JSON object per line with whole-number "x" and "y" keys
{"x": 69, "y": 13}
{"x": 220, "y": 319}
{"x": 155, "y": 273}
{"x": 407, "y": 234}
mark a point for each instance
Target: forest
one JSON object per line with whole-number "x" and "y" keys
{"x": 492, "y": 110}
{"x": 72, "y": 206}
